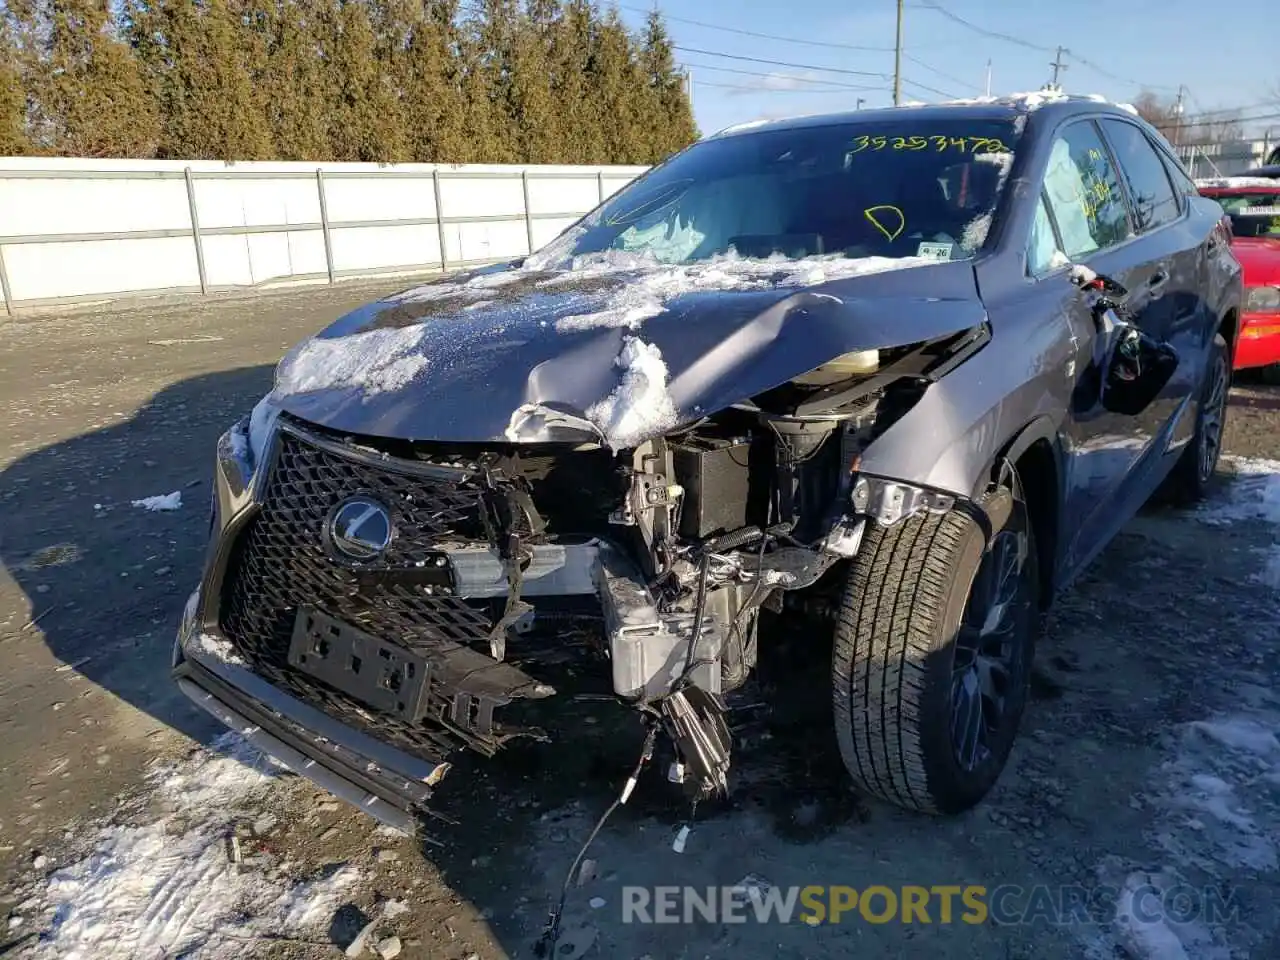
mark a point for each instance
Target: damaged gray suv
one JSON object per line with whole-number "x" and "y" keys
{"x": 902, "y": 372}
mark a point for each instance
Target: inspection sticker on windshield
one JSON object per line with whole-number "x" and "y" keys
{"x": 935, "y": 251}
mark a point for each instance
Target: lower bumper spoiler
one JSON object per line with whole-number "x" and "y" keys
{"x": 388, "y": 784}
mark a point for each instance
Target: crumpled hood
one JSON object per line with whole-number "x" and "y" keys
{"x": 458, "y": 360}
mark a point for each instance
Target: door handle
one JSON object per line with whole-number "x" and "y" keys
{"x": 1158, "y": 281}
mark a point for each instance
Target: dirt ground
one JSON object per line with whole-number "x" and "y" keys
{"x": 131, "y": 827}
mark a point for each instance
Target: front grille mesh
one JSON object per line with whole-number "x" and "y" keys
{"x": 280, "y": 561}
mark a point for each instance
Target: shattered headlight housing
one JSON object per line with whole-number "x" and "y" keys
{"x": 1262, "y": 300}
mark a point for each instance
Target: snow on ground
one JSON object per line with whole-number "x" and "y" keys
{"x": 168, "y": 888}
{"x": 1252, "y": 494}
{"x": 166, "y": 501}
{"x": 1214, "y": 802}
{"x": 640, "y": 407}
{"x": 374, "y": 361}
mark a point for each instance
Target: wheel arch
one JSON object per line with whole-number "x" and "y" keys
{"x": 1035, "y": 454}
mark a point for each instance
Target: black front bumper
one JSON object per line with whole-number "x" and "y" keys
{"x": 390, "y": 785}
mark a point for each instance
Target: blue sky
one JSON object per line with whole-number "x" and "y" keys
{"x": 1224, "y": 61}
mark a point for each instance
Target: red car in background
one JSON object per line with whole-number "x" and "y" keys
{"x": 1252, "y": 203}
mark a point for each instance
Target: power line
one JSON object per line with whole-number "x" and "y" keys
{"x": 1019, "y": 41}
{"x": 925, "y": 86}
{"x": 779, "y": 76}
{"x": 761, "y": 36}
{"x": 1008, "y": 38}
{"x": 933, "y": 69}
{"x": 781, "y": 63}
{"x": 734, "y": 86}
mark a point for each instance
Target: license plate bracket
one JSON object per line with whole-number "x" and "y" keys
{"x": 381, "y": 675}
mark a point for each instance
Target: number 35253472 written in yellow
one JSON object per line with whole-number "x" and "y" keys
{"x": 940, "y": 144}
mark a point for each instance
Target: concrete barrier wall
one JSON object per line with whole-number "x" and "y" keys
{"x": 73, "y": 230}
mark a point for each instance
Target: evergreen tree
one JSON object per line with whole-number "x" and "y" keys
{"x": 210, "y": 108}
{"x": 673, "y": 128}
{"x": 432, "y": 104}
{"x": 573, "y": 40}
{"x": 93, "y": 98}
{"x": 13, "y": 96}
{"x": 292, "y": 81}
{"x": 364, "y": 113}
{"x": 539, "y": 130}
{"x": 618, "y": 86}
{"x": 490, "y": 91}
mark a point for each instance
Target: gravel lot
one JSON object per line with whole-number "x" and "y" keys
{"x": 1149, "y": 760}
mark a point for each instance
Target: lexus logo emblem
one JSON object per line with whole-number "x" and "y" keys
{"x": 360, "y": 529}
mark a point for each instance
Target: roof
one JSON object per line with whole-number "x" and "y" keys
{"x": 1245, "y": 181}
{"x": 984, "y": 108}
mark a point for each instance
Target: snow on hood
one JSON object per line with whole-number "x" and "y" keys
{"x": 650, "y": 291}
{"x": 640, "y": 407}
{"x": 389, "y": 359}
{"x": 618, "y": 345}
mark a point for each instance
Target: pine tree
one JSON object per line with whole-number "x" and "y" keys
{"x": 199, "y": 67}
{"x": 539, "y": 129}
{"x": 673, "y": 129}
{"x": 93, "y": 97}
{"x": 363, "y": 121}
{"x": 13, "y": 95}
{"x": 432, "y": 105}
{"x": 291, "y": 79}
{"x": 571, "y": 55}
{"x": 617, "y": 85}
{"x": 490, "y": 91}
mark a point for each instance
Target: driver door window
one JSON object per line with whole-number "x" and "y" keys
{"x": 1084, "y": 193}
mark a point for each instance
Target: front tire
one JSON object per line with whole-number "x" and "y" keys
{"x": 932, "y": 657}
{"x": 1191, "y": 478}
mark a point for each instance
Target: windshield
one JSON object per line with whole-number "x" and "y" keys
{"x": 899, "y": 189}
{"x": 1255, "y": 213}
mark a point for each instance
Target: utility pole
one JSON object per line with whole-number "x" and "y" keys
{"x": 988, "y": 85}
{"x": 1058, "y": 66}
{"x": 1177, "y": 117}
{"x": 897, "y": 62}
{"x": 688, "y": 86}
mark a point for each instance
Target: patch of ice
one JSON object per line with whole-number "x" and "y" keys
{"x": 1129, "y": 108}
{"x": 165, "y": 501}
{"x": 168, "y": 889}
{"x": 217, "y": 648}
{"x": 640, "y": 406}
{"x": 1214, "y": 799}
{"x": 1150, "y": 926}
{"x": 1252, "y": 495}
{"x": 374, "y": 361}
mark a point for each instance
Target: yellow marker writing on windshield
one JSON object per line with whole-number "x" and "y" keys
{"x": 883, "y": 219}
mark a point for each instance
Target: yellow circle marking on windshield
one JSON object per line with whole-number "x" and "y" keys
{"x": 889, "y": 212}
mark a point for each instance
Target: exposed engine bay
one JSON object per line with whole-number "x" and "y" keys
{"x": 677, "y": 545}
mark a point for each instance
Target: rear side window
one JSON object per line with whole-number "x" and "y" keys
{"x": 1084, "y": 193}
{"x": 1150, "y": 192}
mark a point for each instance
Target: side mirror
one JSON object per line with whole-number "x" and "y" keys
{"x": 1130, "y": 368}
{"x": 1135, "y": 371}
